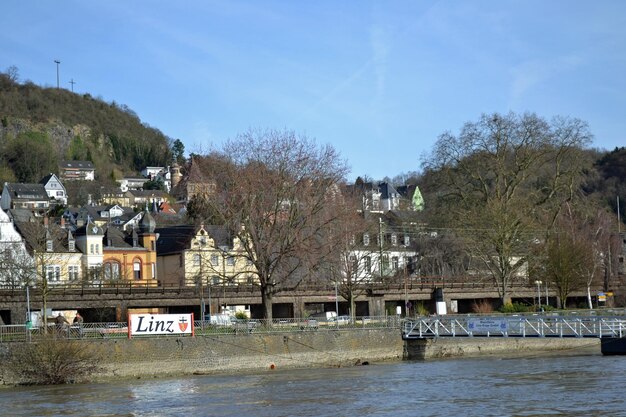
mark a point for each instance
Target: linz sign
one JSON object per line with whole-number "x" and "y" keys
{"x": 160, "y": 324}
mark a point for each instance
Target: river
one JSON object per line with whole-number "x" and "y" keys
{"x": 571, "y": 385}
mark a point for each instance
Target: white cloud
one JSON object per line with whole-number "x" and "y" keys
{"x": 531, "y": 73}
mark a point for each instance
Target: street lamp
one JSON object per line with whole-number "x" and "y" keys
{"x": 538, "y": 283}
{"x": 57, "y": 62}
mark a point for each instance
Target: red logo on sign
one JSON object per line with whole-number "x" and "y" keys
{"x": 182, "y": 324}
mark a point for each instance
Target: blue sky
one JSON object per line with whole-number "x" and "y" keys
{"x": 379, "y": 80}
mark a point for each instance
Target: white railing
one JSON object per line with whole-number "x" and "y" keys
{"x": 513, "y": 326}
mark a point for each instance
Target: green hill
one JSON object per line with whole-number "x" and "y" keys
{"x": 41, "y": 126}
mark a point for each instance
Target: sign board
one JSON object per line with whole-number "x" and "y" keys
{"x": 441, "y": 308}
{"x": 487, "y": 325}
{"x": 160, "y": 324}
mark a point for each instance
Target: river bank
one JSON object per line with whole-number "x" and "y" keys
{"x": 231, "y": 354}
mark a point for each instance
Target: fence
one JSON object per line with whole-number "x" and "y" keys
{"x": 514, "y": 326}
{"x": 99, "y": 331}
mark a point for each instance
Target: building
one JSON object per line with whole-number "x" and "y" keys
{"x": 55, "y": 189}
{"x": 194, "y": 183}
{"x": 143, "y": 198}
{"x": 189, "y": 255}
{"x": 131, "y": 256}
{"x": 132, "y": 183}
{"x": 112, "y": 215}
{"x": 77, "y": 170}
{"x": 54, "y": 251}
{"x": 16, "y": 264}
{"x": 89, "y": 242}
{"x": 25, "y": 196}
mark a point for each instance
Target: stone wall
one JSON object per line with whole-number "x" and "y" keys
{"x": 226, "y": 354}
{"x": 502, "y": 346}
{"x": 153, "y": 357}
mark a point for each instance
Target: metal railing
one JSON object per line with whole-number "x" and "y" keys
{"x": 119, "y": 330}
{"x": 514, "y": 326}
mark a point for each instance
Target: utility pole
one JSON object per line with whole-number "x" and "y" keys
{"x": 72, "y": 82}
{"x": 57, "y": 62}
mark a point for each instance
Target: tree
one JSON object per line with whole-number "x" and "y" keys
{"x": 505, "y": 177}
{"x": 178, "y": 151}
{"x": 155, "y": 184}
{"x": 353, "y": 265}
{"x": 42, "y": 158}
{"x": 276, "y": 192}
{"x": 578, "y": 250}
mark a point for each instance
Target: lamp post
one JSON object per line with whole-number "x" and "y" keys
{"x": 57, "y": 62}
{"x": 539, "y": 292}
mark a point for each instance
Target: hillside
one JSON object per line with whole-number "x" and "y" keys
{"x": 49, "y": 125}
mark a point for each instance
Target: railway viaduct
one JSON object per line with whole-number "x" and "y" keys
{"x": 113, "y": 303}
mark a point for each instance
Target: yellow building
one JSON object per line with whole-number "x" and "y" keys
{"x": 131, "y": 256}
{"x": 189, "y": 255}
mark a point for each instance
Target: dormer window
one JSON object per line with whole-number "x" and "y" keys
{"x": 49, "y": 245}
{"x": 71, "y": 245}
{"x": 394, "y": 239}
{"x": 407, "y": 240}
{"x": 366, "y": 239}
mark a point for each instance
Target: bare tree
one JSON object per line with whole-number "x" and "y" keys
{"x": 500, "y": 176}
{"x": 276, "y": 193}
{"x": 354, "y": 263}
{"x": 578, "y": 250}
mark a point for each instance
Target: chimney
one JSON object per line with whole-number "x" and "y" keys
{"x": 62, "y": 222}
{"x": 45, "y": 221}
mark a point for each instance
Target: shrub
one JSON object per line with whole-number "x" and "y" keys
{"x": 52, "y": 361}
{"x": 241, "y": 315}
{"x": 421, "y": 310}
{"x": 515, "y": 308}
{"x": 482, "y": 307}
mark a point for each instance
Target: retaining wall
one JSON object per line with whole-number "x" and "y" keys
{"x": 225, "y": 354}
{"x": 138, "y": 358}
{"x": 445, "y": 347}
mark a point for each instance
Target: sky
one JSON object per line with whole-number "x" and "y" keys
{"x": 378, "y": 80}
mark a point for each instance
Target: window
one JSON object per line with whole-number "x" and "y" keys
{"x": 59, "y": 193}
{"x": 394, "y": 239}
{"x": 94, "y": 272}
{"x": 215, "y": 260}
{"x": 91, "y": 249}
{"x": 215, "y": 280}
{"x": 366, "y": 239}
{"x": 385, "y": 262}
{"x": 354, "y": 264}
{"x": 53, "y": 273}
{"x": 230, "y": 261}
{"x": 153, "y": 270}
{"x": 196, "y": 259}
{"x": 111, "y": 271}
{"x": 137, "y": 269}
{"x": 394, "y": 263}
{"x": 72, "y": 272}
{"x": 368, "y": 264}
